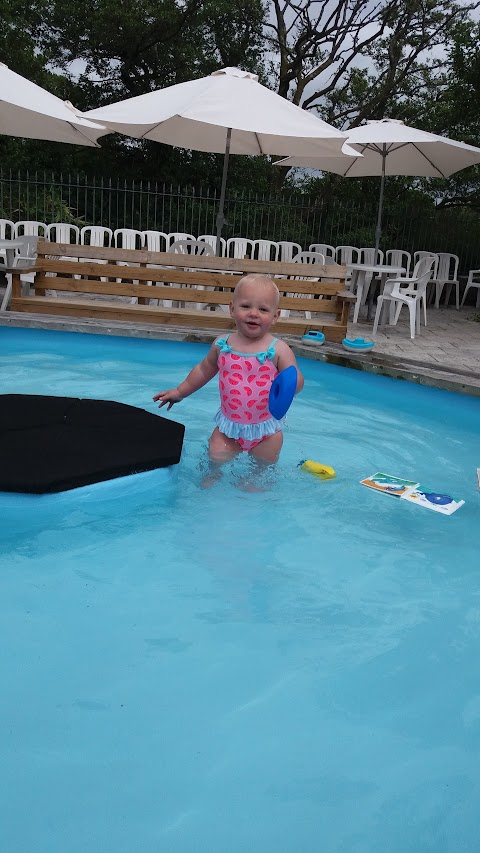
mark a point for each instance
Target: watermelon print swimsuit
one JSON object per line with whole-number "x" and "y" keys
{"x": 244, "y": 384}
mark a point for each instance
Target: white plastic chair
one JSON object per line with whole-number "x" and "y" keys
{"x": 174, "y": 236}
{"x": 239, "y": 247}
{"x": 346, "y": 255}
{"x": 287, "y": 250}
{"x": 29, "y": 228}
{"x": 265, "y": 250}
{"x": 304, "y": 258}
{"x": 28, "y": 251}
{"x": 211, "y": 239}
{"x": 421, "y": 265}
{"x": 127, "y": 238}
{"x": 191, "y": 247}
{"x": 7, "y": 229}
{"x": 324, "y": 249}
{"x": 62, "y": 232}
{"x": 96, "y": 235}
{"x": 309, "y": 258}
{"x": 447, "y": 277}
{"x": 24, "y": 258}
{"x": 367, "y": 256}
{"x": 424, "y": 254}
{"x": 399, "y": 258}
{"x": 473, "y": 280}
{"x": 155, "y": 241}
{"x": 410, "y": 292}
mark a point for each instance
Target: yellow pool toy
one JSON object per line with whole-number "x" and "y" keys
{"x": 324, "y": 472}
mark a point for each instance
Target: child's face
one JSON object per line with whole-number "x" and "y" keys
{"x": 254, "y": 309}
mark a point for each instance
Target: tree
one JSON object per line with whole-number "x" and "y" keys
{"x": 106, "y": 50}
{"x": 451, "y": 107}
{"x": 346, "y": 60}
{"x": 349, "y": 61}
{"x": 131, "y": 47}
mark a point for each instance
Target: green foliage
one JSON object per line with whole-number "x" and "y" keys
{"x": 103, "y": 50}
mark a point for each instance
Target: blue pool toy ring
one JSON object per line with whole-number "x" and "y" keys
{"x": 282, "y": 392}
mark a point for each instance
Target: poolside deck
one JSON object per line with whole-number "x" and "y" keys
{"x": 446, "y": 354}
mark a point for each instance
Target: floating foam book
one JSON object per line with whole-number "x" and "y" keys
{"x": 409, "y": 490}
{"x": 389, "y": 485}
{"x": 442, "y": 503}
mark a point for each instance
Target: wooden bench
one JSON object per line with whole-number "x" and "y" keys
{"x": 132, "y": 285}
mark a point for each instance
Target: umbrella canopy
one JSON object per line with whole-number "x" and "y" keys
{"x": 228, "y": 112}
{"x": 29, "y": 111}
{"x": 390, "y": 147}
{"x": 198, "y": 113}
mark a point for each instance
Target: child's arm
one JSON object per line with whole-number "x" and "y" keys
{"x": 285, "y": 359}
{"x": 197, "y": 378}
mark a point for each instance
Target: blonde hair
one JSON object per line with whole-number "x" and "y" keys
{"x": 263, "y": 281}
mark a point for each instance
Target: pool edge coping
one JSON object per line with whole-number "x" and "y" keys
{"x": 410, "y": 370}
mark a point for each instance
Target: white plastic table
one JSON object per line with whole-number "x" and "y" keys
{"x": 9, "y": 246}
{"x": 359, "y": 276}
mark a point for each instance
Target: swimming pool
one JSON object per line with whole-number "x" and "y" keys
{"x": 188, "y": 670}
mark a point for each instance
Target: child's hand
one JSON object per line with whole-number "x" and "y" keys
{"x": 172, "y": 396}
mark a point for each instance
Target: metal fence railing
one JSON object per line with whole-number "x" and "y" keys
{"x": 287, "y": 215}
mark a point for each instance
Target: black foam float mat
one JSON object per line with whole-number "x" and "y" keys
{"x": 51, "y": 444}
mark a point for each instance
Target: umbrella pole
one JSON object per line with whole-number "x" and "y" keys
{"x": 378, "y": 232}
{"x": 220, "y": 216}
{"x": 378, "y": 229}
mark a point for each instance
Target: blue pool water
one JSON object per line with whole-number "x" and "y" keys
{"x": 293, "y": 671}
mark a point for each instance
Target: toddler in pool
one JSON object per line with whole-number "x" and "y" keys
{"x": 247, "y": 362}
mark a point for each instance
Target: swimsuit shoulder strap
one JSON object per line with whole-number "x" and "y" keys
{"x": 223, "y": 344}
{"x": 268, "y": 353}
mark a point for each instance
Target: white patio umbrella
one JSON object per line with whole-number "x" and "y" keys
{"x": 228, "y": 112}
{"x": 29, "y": 111}
{"x": 390, "y": 147}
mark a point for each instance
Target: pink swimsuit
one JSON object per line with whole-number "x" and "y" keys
{"x": 244, "y": 384}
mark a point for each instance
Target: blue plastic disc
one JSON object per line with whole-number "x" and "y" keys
{"x": 434, "y": 498}
{"x": 282, "y": 392}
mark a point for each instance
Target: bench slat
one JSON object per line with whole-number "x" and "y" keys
{"x": 203, "y": 279}
{"x": 176, "y": 294}
{"x": 200, "y": 262}
{"x": 166, "y": 316}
